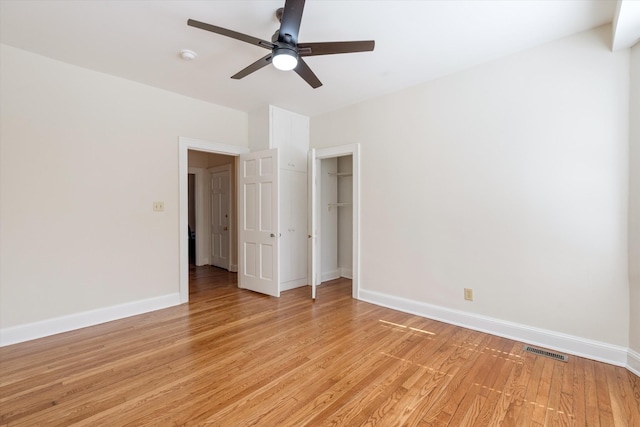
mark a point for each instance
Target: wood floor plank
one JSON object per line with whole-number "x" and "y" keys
{"x": 541, "y": 401}
{"x": 556, "y": 379}
{"x": 495, "y": 386}
{"x": 463, "y": 404}
{"x": 605, "y": 410}
{"x": 525, "y": 415}
{"x": 592, "y": 416}
{"x": 433, "y": 395}
{"x": 236, "y": 358}
{"x": 511, "y": 395}
{"x": 628, "y": 395}
{"x": 423, "y": 389}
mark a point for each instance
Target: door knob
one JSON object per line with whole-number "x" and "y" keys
{"x": 225, "y": 228}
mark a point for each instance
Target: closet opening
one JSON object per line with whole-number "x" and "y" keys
{"x": 193, "y": 158}
{"x": 336, "y": 215}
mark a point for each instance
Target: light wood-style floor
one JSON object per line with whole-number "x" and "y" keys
{"x": 235, "y": 358}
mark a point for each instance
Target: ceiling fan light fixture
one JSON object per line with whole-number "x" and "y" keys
{"x": 284, "y": 59}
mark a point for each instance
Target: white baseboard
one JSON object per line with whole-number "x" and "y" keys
{"x": 603, "y": 352}
{"x": 233, "y": 268}
{"x": 292, "y": 284}
{"x": 633, "y": 362}
{"x": 329, "y": 275}
{"x": 44, "y": 328}
{"x": 347, "y": 273}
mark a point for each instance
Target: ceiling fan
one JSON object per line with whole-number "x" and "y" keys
{"x": 286, "y": 53}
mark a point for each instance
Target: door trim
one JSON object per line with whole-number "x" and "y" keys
{"x": 184, "y": 145}
{"x": 354, "y": 151}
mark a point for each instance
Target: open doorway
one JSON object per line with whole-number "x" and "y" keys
{"x": 211, "y": 209}
{"x": 194, "y": 158}
{"x": 212, "y": 231}
{"x": 336, "y": 218}
{"x": 335, "y": 215}
{"x": 192, "y": 218}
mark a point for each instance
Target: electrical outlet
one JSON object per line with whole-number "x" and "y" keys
{"x": 468, "y": 294}
{"x": 158, "y": 206}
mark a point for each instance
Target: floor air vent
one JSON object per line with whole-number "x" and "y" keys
{"x": 540, "y": 352}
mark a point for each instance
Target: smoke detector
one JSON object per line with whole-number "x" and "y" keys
{"x": 188, "y": 55}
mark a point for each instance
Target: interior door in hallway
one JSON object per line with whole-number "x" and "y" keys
{"x": 259, "y": 219}
{"x": 220, "y": 216}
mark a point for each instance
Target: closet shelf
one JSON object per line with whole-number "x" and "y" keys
{"x": 338, "y": 205}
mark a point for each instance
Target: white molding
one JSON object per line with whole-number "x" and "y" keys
{"x": 596, "y": 350}
{"x": 184, "y": 145}
{"x": 293, "y": 284}
{"x": 633, "y": 361}
{"x": 44, "y": 328}
{"x": 233, "y": 268}
{"x": 325, "y": 276}
{"x": 346, "y": 272}
{"x": 338, "y": 151}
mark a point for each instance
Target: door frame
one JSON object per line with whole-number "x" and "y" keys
{"x": 184, "y": 145}
{"x": 328, "y": 153}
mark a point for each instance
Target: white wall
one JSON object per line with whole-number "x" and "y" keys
{"x": 198, "y": 159}
{"x": 510, "y": 178}
{"x": 634, "y": 203}
{"x": 83, "y": 156}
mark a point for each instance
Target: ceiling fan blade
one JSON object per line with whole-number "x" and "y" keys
{"x": 230, "y": 33}
{"x": 291, "y": 18}
{"x": 332, "y": 48}
{"x": 262, "y": 62}
{"x": 305, "y": 72}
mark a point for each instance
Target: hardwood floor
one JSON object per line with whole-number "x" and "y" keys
{"x": 236, "y": 358}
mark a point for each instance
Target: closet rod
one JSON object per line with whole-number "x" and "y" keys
{"x": 338, "y": 205}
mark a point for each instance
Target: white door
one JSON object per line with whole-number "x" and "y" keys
{"x": 314, "y": 253}
{"x": 299, "y": 214}
{"x": 220, "y": 215}
{"x": 258, "y": 227}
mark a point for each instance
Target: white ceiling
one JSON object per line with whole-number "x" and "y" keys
{"x": 416, "y": 41}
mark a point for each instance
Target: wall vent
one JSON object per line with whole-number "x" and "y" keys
{"x": 546, "y": 353}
